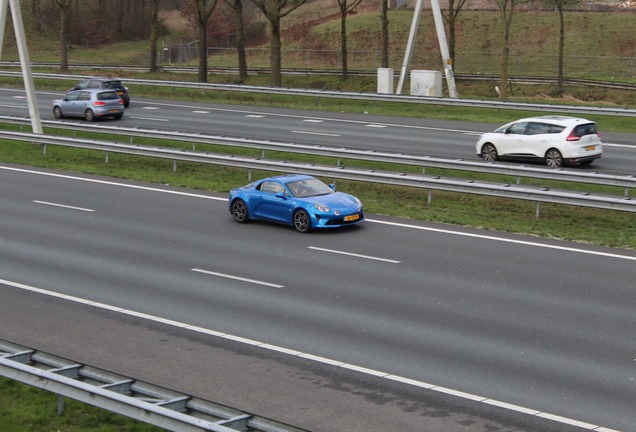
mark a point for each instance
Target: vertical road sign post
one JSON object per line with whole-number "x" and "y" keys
{"x": 25, "y": 63}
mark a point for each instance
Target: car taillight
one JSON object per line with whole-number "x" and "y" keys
{"x": 121, "y": 101}
{"x": 99, "y": 103}
{"x": 572, "y": 137}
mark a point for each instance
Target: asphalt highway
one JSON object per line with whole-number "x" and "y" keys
{"x": 452, "y": 139}
{"x": 390, "y": 325}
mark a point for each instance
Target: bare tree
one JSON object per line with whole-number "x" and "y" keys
{"x": 65, "y": 7}
{"x": 274, "y": 11}
{"x": 385, "y": 33}
{"x": 237, "y": 5}
{"x": 506, "y": 11}
{"x": 204, "y": 9}
{"x": 346, "y": 7}
{"x": 560, "y": 5}
{"x": 454, "y": 8}
{"x": 154, "y": 33}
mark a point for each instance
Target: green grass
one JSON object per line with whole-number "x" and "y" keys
{"x": 28, "y": 409}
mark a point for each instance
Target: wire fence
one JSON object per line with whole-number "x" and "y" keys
{"x": 590, "y": 66}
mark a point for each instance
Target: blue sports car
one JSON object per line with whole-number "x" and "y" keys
{"x": 301, "y": 201}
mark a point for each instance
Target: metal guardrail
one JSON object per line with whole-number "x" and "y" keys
{"x": 375, "y": 97}
{"x": 431, "y": 182}
{"x": 132, "y": 398}
{"x": 626, "y": 181}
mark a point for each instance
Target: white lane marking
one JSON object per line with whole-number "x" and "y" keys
{"x": 149, "y": 119}
{"x": 150, "y": 108}
{"x": 300, "y": 354}
{"x": 354, "y": 255}
{"x": 63, "y": 206}
{"x": 12, "y": 106}
{"x": 201, "y": 112}
{"x": 254, "y": 116}
{"x": 313, "y": 121}
{"x": 316, "y": 133}
{"x": 376, "y": 125}
{"x": 242, "y": 279}
{"x": 18, "y": 97}
{"x": 506, "y": 240}
{"x": 397, "y": 224}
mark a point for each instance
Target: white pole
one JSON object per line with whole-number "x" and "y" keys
{"x": 409, "y": 45}
{"x": 443, "y": 47}
{"x": 34, "y": 110}
{"x": 4, "y": 8}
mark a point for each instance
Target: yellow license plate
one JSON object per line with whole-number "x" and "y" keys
{"x": 588, "y": 148}
{"x": 351, "y": 217}
{"x": 113, "y": 110}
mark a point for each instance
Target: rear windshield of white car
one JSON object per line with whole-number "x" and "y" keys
{"x": 585, "y": 129}
{"x": 107, "y": 95}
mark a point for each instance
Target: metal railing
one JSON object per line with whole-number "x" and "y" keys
{"x": 538, "y": 194}
{"x": 132, "y": 398}
{"x": 372, "y": 97}
{"x": 627, "y": 181}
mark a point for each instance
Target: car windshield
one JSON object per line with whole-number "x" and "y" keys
{"x": 107, "y": 95}
{"x": 308, "y": 188}
{"x": 112, "y": 84}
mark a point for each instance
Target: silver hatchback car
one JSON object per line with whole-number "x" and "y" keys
{"x": 90, "y": 104}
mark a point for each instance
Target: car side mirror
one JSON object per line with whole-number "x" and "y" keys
{"x": 332, "y": 186}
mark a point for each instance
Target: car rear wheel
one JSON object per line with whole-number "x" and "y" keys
{"x": 89, "y": 115}
{"x": 489, "y": 153}
{"x": 553, "y": 158}
{"x": 57, "y": 112}
{"x": 118, "y": 116}
{"x": 301, "y": 220}
{"x": 239, "y": 211}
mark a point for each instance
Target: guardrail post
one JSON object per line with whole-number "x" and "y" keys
{"x": 174, "y": 166}
{"x": 106, "y": 158}
{"x": 60, "y": 405}
{"x": 537, "y": 211}
{"x": 430, "y": 197}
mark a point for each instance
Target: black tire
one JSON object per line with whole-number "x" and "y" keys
{"x": 553, "y": 158}
{"x": 118, "y": 116}
{"x": 89, "y": 115}
{"x": 301, "y": 221}
{"x": 126, "y": 104}
{"x": 239, "y": 211}
{"x": 57, "y": 112}
{"x": 489, "y": 153}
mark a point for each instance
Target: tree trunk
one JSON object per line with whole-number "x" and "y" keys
{"x": 275, "y": 52}
{"x": 154, "y": 25}
{"x": 64, "y": 7}
{"x": 240, "y": 40}
{"x": 202, "y": 46}
{"x": 561, "y": 48}
{"x": 385, "y": 33}
{"x": 343, "y": 38}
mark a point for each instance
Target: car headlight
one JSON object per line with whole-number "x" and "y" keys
{"x": 359, "y": 203}
{"x": 321, "y": 207}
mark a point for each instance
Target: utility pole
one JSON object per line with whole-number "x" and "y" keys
{"x": 25, "y": 63}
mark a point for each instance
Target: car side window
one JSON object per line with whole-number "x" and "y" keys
{"x": 82, "y": 85}
{"x": 72, "y": 96}
{"x": 95, "y": 84}
{"x": 518, "y": 128}
{"x": 272, "y": 187}
{"x": 84, "y": 95}
{"x": 535, "y": 128}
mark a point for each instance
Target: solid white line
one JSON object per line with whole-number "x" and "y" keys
{"x": 323, "y": 360}
{"x": 316, "y": 133}
{"x": 313, "y": 121}
{"x": 63, "y": 206}
{"x": 113, "y": 183}
{"x": 227, "y": 276}
{"x": 354, "y": 255}
{"x": 505, "y": 240}
{"x": 376, "y": 125}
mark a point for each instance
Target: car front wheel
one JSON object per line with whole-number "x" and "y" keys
{"x": 302, "y": 223}
{"x": 89, "y": 115}
{"x": 553, "y": 158}
{"x": 239, "y": 211}
{"x": 57, "y": 112}
{"x": 489, "y": 153}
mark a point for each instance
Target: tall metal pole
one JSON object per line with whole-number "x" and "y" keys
{"x": 443, "y": 47}
{"x": 409, "y": 45}
{"x": 25, "y": 63}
